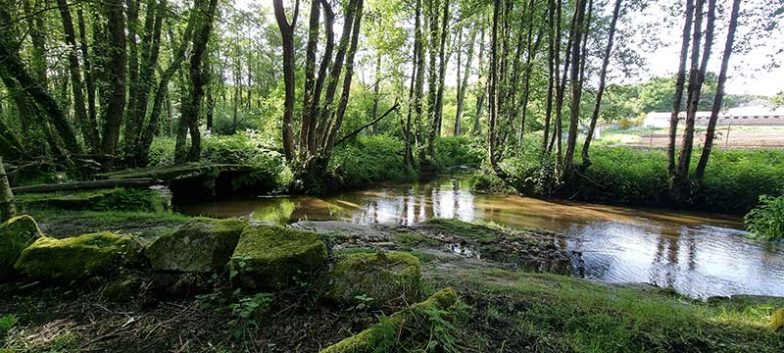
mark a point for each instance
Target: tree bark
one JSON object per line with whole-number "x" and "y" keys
{"x": 287, "y": 36}
{"x": 7, "y": 209}
{"x": 491, "y": 92}
{"x": 90, "y": 134}
{"x": 116, "y": 72}
{"x": 550, "y": 72}
{"x": 602, "y": 79}
{"x": 92, "y": 115}
{"x": 576, "y": 86}
{"x": 481, "y": 89}
{"x": 696, "y": 78}
{"x": 718, "y": 98}
{"x": 679, "y": 83}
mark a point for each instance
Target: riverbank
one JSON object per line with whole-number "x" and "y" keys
{"x": 504, "y": 308}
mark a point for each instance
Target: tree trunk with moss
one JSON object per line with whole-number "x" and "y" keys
{"x": 7, "y": 209}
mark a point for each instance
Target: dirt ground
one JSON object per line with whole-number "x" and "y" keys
{"x": 726, "y": 137}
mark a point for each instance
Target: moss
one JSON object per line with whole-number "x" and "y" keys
{"x": 119, "y": 199}
{"x": 387, "y": 278}
{"x": 76, "y": 257}
{"x": 122, "y": 289}
{"x": 413, "y": 239}
{"x": 15, "y": 234}
{"x": 777, "y": 320}
{"x": 277, "y": 258}
{"x": 201, "y": 245}
{"x": 383, "y": 336}
{"x": 465, "y": 230}
{"x": 60, "y": 223}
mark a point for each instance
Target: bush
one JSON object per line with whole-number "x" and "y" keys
{"x": 458, "y": 151}
{"x": 368, "y": 160}
{"x": 766, "y": 221}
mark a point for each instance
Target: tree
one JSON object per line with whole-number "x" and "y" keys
{"x": 602, "y": 79}
{"x": 115, "y": 71}
{"x": 680, "y": 80}
{"x": 7, "y": 209}
{"x": 717, "y": 101}
{"x": 576, "y": 85}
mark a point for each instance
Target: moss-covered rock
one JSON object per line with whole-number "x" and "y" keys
{"x": 409, "y": 324}
{"x": 277, "y": 258}
{"x": 16, "y": 234}
{"x": 77, "y": 257}
{"x": 201, "y": 245}
{"x": 116, "y": 199}
{"x": 777, "y": 320}
{"x": 383, "y": 278}
{"x": 122, "y": 289}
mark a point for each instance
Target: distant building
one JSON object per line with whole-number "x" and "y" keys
{"x": 758, "y": 114}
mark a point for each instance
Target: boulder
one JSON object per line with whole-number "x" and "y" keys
{"x": 16, "y": 234}
{"x": 404, "y": 326}
{"x": 390, "y": 278}
{"x": 75, "y": 258}
{"x": 276, "y": 258}
{"x": 201, "y": 245}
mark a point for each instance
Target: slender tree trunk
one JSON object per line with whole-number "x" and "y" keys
{"x": 115, "y": 70}
{"x": 551, "y": 68}
{"x": 696, "y": 78}
{"x": 463, "y": 86}
{"x": 576, "y": 86}
{"x": 376, "y": 88}
{"x": 199, "y": 79}
{"x": 7, "y": 209}
{"x": 287, "y": 36}
{"x": 419, "y": 86}
{"x": 492, "y": 91}
{"x": 481, "y": 90}
{"x": 413, "y": 95}
{"x": 602, "y": 79}
{"x": 90, "y": 135}
{"x": 92, "y": 114}
{"x": 718, "y": 98}
{"x": 679, "y": 83}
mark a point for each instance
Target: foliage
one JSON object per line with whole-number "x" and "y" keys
{"x": 7, "y": 322}
{"x": 247, "y": 313}
{"x": 369, "y": 160}
{"x": 766, "y": 221}
{"x": 456, "y": 151}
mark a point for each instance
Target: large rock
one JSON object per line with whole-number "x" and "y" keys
{"x": 200, "y": 246}
{"x": 77, "y": 257}
{"x": 413, "y": 325}
{"x": 16, "y": 234}
{"x": 277, "y": 258}
{"x": 379, "y": 278}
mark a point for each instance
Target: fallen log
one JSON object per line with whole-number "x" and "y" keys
{"x": 88, "y": 185}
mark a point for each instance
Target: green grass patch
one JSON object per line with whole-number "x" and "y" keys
{"x": 556, "y": 314}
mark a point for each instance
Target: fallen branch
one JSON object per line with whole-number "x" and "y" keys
{"x": 363, "y": 127}
{"x": 87, "y": 185}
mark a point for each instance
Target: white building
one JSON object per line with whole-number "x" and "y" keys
{"x": 750, "y": 115}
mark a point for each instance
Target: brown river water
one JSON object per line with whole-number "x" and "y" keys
{"x": 697, "y": 254}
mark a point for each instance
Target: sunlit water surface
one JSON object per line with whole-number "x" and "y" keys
{"x": 700, "y": 255}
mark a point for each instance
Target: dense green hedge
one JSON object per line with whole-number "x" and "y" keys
{"x": 733, "y": 181}
{"x": 361, "y": 162}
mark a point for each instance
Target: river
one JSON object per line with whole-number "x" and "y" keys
{"x": 697, "y": 254}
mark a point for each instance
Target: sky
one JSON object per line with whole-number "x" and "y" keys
{"x": 750, "y": 71}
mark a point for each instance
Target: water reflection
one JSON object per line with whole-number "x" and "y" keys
{"x": 699, "y": 255}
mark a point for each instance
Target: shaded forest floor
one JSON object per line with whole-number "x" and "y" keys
{"x": 506, "y": 308}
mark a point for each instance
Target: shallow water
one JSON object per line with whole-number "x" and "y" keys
{"x": 699, "y": 255}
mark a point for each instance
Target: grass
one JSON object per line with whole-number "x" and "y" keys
{"x": 550, "y": 313}
{"x": 60, "y": 223}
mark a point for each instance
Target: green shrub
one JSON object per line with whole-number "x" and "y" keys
{"x": 368, "y": 160}
{"x": 766, "y": 221}
{"x": 459, "y": 150}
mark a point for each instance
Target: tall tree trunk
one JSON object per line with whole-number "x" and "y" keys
{"x": 116, "y": 72}
{"x": 198, "y": 77}
{"x": 679, "y": 83}
{"x": 443, "y": 61}
{"x": 602, "y": 79}
{"x": 463, "y": 86}
{"x": 551, "y": 67}
{"x": 90, "y": 135}
{"x": 696, "y": 78}
{"x": 7, "y": 209}
{"x": 419, "y": 85}
{"x": 492, "y": 91}
{"x": 576, "y": 86}
{"x": 287, "y": 36}
{"x": 719, "y": 97}
{"x": 376, "y": 88}
{"x": 481, "y": 90}
{"x": 92, "y": 114}
{"x": 408, "y": 155}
